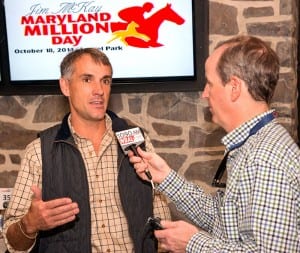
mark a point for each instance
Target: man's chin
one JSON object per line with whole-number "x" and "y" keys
{"x": 96, "y": 116}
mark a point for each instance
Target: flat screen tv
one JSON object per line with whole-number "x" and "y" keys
{"x": 153, "y": 45}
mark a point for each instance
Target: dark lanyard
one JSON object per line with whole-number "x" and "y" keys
{"x": 222, "y": 167}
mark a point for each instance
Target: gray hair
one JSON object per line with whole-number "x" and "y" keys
{"x": 253, "y": 61}
{"x": 67, "y": 64}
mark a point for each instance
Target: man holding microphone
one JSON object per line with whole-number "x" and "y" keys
{"x": 259, "y": 211}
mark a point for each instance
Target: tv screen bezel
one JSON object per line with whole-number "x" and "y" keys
{"x": 126, "y": 85}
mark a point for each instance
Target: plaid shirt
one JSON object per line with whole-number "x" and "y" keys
{"x": 109, "y": 231}
{"x": 260, "y": 208}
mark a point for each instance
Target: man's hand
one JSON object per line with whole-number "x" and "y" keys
{"x": 157, "y": 166}
{"x": 45, "y": 215}
{"x": 42, "y": 215}
{"x": 175, "y": 235}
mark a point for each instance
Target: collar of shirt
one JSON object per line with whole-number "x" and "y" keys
{"x": 241, "y": 133}
{"x": 108, "y": 123}
{"x": 77, "y": 137}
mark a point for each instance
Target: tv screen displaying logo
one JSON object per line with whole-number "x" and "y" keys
{"x": 143, "y": 39}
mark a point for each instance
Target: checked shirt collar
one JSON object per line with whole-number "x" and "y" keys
{"x": 239, "y": 135}
{"x": 237, "y": 138}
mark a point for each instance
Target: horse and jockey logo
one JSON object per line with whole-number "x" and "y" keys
{"x": 136, "y": 30}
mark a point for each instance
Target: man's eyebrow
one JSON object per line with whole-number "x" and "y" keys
{"x": 91, "y": 75}
{"x": 107, "y": 76}
{"x": 85, "y": 75}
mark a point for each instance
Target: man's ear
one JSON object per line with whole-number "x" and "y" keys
{"x": 236, "y": 87}
{"x": 64, "y": 86}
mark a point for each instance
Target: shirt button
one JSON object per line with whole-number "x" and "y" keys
{"x": 108, "y": 250}
{"x": 103, "y": 226}
{"x": 97, "y": 176}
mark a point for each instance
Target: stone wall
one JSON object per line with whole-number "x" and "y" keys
{"x": 178, "y": 123}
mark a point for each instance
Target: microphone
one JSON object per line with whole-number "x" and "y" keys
{"x": 129, "y": 139}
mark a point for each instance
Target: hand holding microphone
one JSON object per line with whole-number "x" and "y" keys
{"x": 158, "y": 166}
{"x": 130, "y": 139}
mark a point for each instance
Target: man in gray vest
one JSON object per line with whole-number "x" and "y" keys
{"x": 76, "y": 190}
